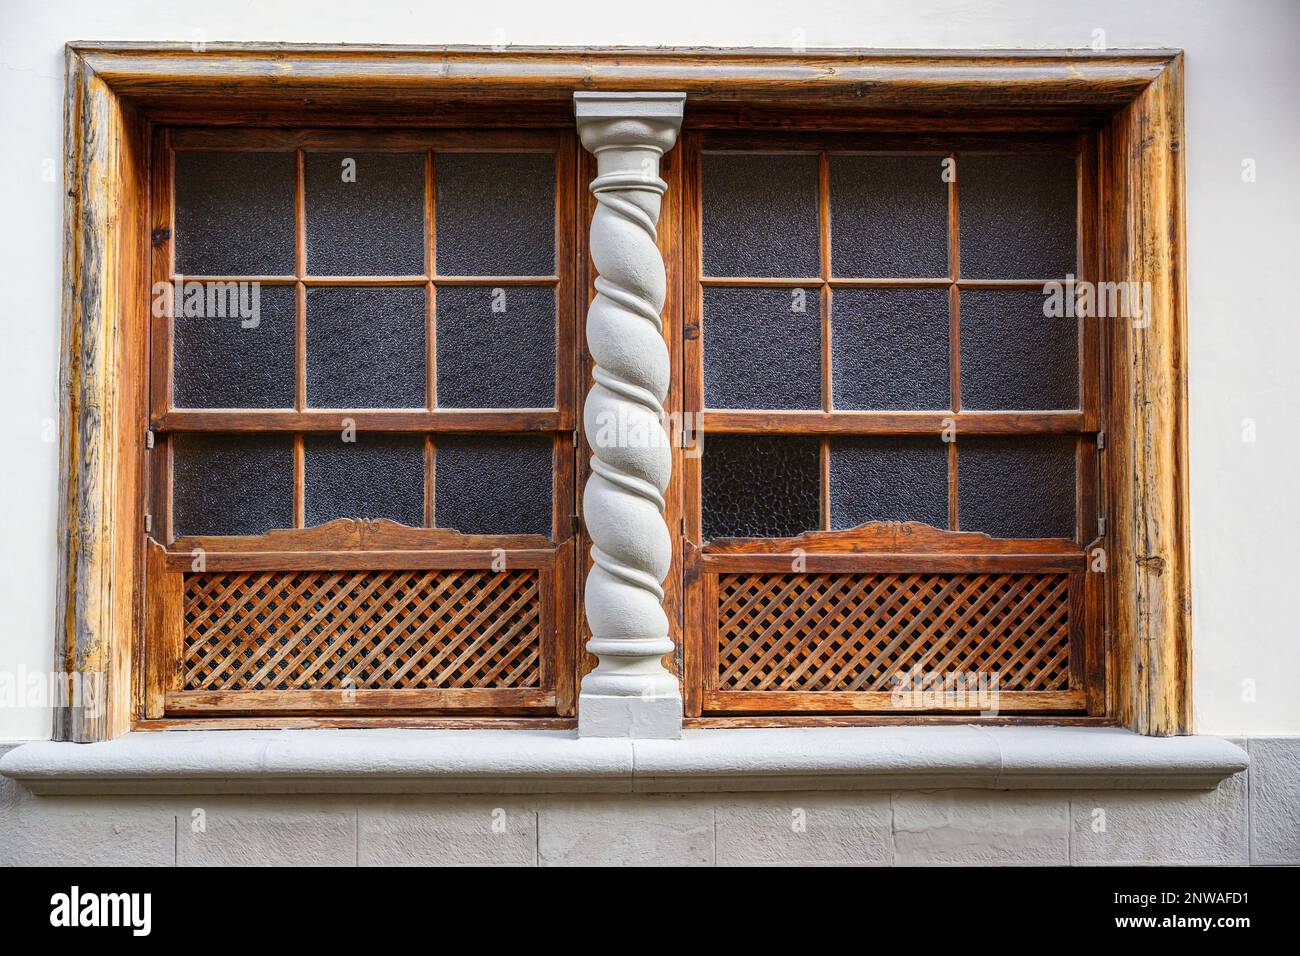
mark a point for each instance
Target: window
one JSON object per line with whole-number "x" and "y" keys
{"x": 899, "y": 474}
{"x": 834, "y": 312}
{"x": 363, "y": 398}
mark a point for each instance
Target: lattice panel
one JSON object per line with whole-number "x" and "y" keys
{"x": 383, "y": 630}
{"x": 854, "y": 632}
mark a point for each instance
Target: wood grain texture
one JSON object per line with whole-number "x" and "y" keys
{"x": 1017, "y": 718}
{"x": 1145, "y": 237}
{"x": 878, "y": 702}
{"x": 164, "y": 624}
{"x": 892, "y": 423}
{"x": 358, "y": 535}
{"x": 488, "y": 700}
{"x": 443, "y": 420}
{"x": 461, "y": 720}
{"x": 284, "y": 76}
{"x": 892, "y": 537}
{"x": 99, "y": 603}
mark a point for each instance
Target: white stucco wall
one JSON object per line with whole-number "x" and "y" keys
{"x": 1243, "y": 87}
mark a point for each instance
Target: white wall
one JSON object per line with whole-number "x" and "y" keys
{"x": 1243, "y": 87}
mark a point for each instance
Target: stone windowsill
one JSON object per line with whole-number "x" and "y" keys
{"x": 524, "y": 761}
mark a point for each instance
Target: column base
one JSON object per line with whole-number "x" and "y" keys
{"x": 654, "y": 718}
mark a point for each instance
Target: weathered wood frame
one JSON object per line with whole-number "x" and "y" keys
{"x": 117, "y": 93}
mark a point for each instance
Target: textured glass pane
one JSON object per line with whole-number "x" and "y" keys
{"x": 889, "y": 348}
{"x": 889, "y": 479}
{"x": 762, "y": 348}
{"x": 376, "y": 476}
{"x": 365, "y": 348}
{"x": 760, "y": 487}
{"x": 234, "y": 213}
{"x": 889, "y": 216}
{"x": 760, "y": 215}
{"x": 231, "y": 484}
{"x": 495, "y": 214}
{"x": 1021, "y": 487}
{"x": 242, "y": 360}
{"x": 365, "y": 213}
{"x": 493, "y": 485}
{"x": 1015, "y": 357}
{"x": 496, "y": 347}
{"x": 1017, "y": 216}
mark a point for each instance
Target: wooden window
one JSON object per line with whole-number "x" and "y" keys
{"x": 835, "y": 420}
{"x": 362, "y": 392}
{"x": 898, "y": 489}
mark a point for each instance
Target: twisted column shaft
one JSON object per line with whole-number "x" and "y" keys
{"x": 630, "y": 693}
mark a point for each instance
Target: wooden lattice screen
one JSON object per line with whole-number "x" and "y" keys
{"x": 355, "y": 639}
{"x": 315, "y": 630}
{"x": 880, "y": 641}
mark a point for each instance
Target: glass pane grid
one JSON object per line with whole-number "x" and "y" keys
{"x": 496, "y": 484}
{"x": 372, "y": 257}
{"x": 386, "y": 164}
{"x": 920, "y": 382}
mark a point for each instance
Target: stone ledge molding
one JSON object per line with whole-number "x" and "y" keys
{"x": 557, "y": 761}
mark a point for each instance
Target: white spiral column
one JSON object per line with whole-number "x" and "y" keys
{"x": 630, "y": 693}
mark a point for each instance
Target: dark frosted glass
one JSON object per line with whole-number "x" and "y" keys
{"x": 236, "y": 361}
{"x": 1015, "y": 357}
{"x": 762, "y": 348}
{"x": 370, "y": 225}
{"x": 760, "y": 215}
{"x": 493, "y": 484}
{"x": 1020, "y": 487}
{"x": 889, "y": 348}
{"x": 376, "y": 476}
{"x": 496, "y": 347}
{"x": 889, "y": 216}
{"x": 888, "y": 479}
{"x": 365, "y": 348}
{"x": 1017, "y": 216}
{"x": 760, "y": 486}
{"x": 495, "y": 213}
{"x": 234, "y": 213}
{"x": 231, "y": 484}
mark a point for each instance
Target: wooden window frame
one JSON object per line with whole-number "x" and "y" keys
{"x": 895, "y": 548}
{"x": 118, "y": 94}
{"x": 345, "y": 544}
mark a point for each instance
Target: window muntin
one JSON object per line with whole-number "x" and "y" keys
{"x": 859, "y": 332}
{"x": 336, "y": 234}
{"x": 932, "y": 352}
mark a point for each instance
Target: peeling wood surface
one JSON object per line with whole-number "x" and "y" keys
{"x": 87, "y": 387}
{"x": 288, "y": 76}
{"x": 102, "y": 378}
{"x": 1142, "y": 167}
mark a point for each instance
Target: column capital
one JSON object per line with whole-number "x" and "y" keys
{"x": 628, "y": 120}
